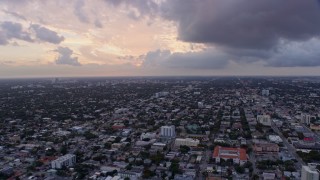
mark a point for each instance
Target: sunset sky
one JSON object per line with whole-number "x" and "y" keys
{"x": 56, "y": 38}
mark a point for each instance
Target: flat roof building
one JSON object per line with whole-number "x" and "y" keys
{"x": 67, "y": 160}
{"x": 238, "y": 155}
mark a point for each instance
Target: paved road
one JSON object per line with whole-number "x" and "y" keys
{"x": 252, "y": 159}
{"x": 204, "y": 163}
{"x": 291, "y": 149}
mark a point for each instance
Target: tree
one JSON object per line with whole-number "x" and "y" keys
{"x": 64, "y": 149}
{"x": 175, "y": 167}
{"x": 107, "y": 145}
{"x": 117, "y": 140}
{"x": 184, "y": 149}
{"x": 88, "y": 135}
{"x": 239, "y": 169}
{"x": 147, "y": 173}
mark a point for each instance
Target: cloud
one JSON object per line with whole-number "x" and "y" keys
{"x": 138, "y": 8}
{"x": 244, "y": 24}
{"x": 80, "y": 12}
{"x": 207, "y": 59}
{"x": 10, "y": 30}
{"x": 98, "y": 23}
{"x": 298, "y": 54}
{"x": 46, "y": 35}
{"x": 3, "y": 38}
{"x": 16, "y": 15}
{"x": 65, "y": 57}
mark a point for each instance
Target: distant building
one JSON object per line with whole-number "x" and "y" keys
{"x": 161, "y": 94}
{"x": 238, "y": 155}
{"x": 8, "y": 171}
{"x": 264, "y": 147}
{"x": 264, "y": 120}
{"x": 309, "y": 172}
{"x": 315, "y": 127}
{"x": 118, "y": 126}
{"x": 305, "y": 119}
{"x": 200, "y": 105}
{"x": 275, "y": 139}
{"x": 147, "y": 135}
{"x": 67, "y": 160}
{"x": 186, "y": 142}
{"x": 168, "y": 131}
{"x": 265, "y": 92}
{"x": 268, "y": 176}
{"x": 130, "y": 174}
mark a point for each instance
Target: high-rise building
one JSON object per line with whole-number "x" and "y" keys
{"x": 309, "y": 172}
{"x": 168, "y": 131}
{"x": 67, "y": 160}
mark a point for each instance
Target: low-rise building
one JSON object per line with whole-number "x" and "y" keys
{"x": 186, "y": 142}
{"x": 264, "y": 120}
{"x": 238, "y": 155}
{"x": 265, "y": 147}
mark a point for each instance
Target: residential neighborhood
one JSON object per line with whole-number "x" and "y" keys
{"x": 211, "y": 128}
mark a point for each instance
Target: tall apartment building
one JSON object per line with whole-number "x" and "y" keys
{"x": 168, "y": 131}
{"x": 309, "y": 172}
{"x": 67, "y": 160}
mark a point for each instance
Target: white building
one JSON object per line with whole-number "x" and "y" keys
{"x": 265, "y": 92}
{"x": 147, "y": 135}
{"x": 264, "y": 120}
{"x": 67, "y": 160}
{"x": 200, "y": 105}
{"x": 161, "y": 94}
{"x": 186, "y": 142}
{"x": 305, "y": 119}
{"x": 309, "y": 173}
{"x": 275, "y": 139}
{"x": 168, "y": 131}
{"x": 130, "y": 174}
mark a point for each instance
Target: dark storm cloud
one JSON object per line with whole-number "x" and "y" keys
{"x": 244, "y": 23}
{"x": 298, "y": 54}
{"x": 10, "y": 30}
{"x": 65, "y": 57}
{"x": 208, "y": 59}
{"x": 244, "y": 31}
{"x": 46, "y": 35}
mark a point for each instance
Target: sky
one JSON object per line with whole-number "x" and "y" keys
{"x": 63, "y": 38}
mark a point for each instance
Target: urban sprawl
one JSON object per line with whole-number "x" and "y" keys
{"x": 180, "y": 128}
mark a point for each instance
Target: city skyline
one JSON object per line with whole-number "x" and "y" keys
{"x": 159, "y": 38}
